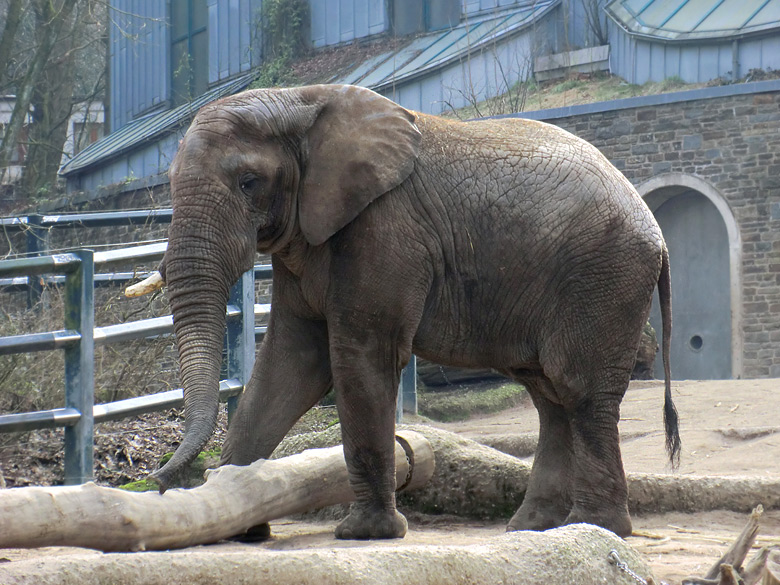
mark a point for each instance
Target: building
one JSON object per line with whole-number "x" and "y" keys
{"x": 695, "y": 41}
{"x": 85, "y": 126}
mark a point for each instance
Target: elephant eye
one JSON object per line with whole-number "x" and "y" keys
{"x": 249, "y": 183}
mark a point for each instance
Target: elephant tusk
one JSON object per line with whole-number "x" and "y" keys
{"x": 150, "y": 284}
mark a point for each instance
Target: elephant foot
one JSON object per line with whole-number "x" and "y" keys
{"x": 618, "y": 520}
{"x": 257, "y": 533}
{"x": 368, "y": 524}
{"x": 537, "y": 515}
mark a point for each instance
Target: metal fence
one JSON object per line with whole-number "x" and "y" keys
{"x": 79, "y": 337}
{"x": 76, "y": 271}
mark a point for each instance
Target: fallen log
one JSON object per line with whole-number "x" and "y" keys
{"x": 476, "y": 481}
{"x": 470, "y": 479}
{"x": 728, "y": 569}
{"x": 656, "y": 493}
{"x": 232, "y": 500}
{"x": 573, "y": 554}
{"x": 772, "y": 575}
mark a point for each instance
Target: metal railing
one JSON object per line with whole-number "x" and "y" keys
{"x": 37, "y": 228}
{"x": 79, "y": 336}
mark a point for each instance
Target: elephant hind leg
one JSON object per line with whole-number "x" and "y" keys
{"x": 600, "y": 494}
{"x": 547, "y": 500}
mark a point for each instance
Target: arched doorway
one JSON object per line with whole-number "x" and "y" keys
{"x": 703, "y": 242}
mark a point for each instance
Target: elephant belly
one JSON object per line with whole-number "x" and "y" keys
{"x": 495, "y": 340}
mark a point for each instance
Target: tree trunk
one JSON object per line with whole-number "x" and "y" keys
{"x": 572, "y": 554}
{"x": 51, "y": 115}
{"x": 54, "y": 20}
{"x": 772, "y": 575}
{"x": 232, "y": 500}
{"x": 13, "y": 19}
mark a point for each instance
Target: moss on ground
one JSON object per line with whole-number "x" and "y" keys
{"x": 463, "y": 403}
{"x": 190, "y": 478}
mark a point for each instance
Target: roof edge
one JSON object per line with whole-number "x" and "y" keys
{"x": 508, "y": 33}
{"x": 176, "y": 115}
{"x": 689, "y": 95}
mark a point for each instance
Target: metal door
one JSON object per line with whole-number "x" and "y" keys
{"x": 698, "y": 245}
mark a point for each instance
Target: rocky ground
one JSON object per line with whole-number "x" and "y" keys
{"x": 729, "y": 428}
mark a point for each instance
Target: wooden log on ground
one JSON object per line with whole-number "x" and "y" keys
{"x": 470, "y": 479}
{"x": 232, "y": 500}
{"x": 476, "y": 481}
{"x": 739, "y": 549}
{"x": 572, "y": 554}
{"x": 656, "y": 493}
{"x": 772, "y": 575}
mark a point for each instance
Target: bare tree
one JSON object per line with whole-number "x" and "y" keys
{"x": 595, "y": 22}
{"x": 64, "y": 82}
{"x": 13, "y": 19}
{"x": 60, "y": 63}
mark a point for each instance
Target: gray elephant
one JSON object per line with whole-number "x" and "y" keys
{"x": 507, "y": 244}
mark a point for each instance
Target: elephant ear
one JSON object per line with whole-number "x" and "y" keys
{"x": 360, "y": 146}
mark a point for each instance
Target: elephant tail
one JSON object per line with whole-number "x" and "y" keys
{"x": 673, "y": 444}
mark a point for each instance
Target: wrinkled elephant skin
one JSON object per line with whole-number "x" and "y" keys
{"x": 508, "y": 244}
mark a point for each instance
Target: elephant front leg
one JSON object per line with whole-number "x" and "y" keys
{"x": 291, "y": 373}
{"x": 366, "y": 381}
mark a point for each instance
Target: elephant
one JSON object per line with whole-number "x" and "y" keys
{"x": 506, "y": 243}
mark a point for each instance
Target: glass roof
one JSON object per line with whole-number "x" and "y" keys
{"x": 436, "y": 49}
{"x": 690, "y": 19}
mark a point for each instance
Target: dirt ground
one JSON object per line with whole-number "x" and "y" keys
{"x": 727, "y": 428}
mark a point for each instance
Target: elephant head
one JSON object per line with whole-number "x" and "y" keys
{"x": 255, "y": 172}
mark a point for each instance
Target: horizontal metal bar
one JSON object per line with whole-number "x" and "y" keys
{"x": 260, "y": 331}
{"x": 104, "y": 279}
{"x": 145, "y": 252}
{"x": 58, "y": 263}
{"x": 143, "y": 328}
{"x": 43, "y": 419}
{"x": 66, "y": 417}
{"x": 108, "y": 218}
{"x": 263, "y": 271}
{"x": 154, "y": 402}
{"x": 38, "y": 341}
{"x": 15, "y": 282}
{"x": 133, "y": 330}
{"x": 14, "y": 222}
{"x": 96, "y": 219}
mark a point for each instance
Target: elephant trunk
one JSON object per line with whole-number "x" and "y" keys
{"x": 198, "y": 292}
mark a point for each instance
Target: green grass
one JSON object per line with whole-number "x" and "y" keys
{"x": 465, "y": 403}
{"x": 567, "y": 85}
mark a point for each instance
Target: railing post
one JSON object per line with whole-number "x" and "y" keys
{"x": 240, "y": 336}
{"x": 80, "y": 369}
{"x": 37, "y": 245}
{"x": 407, "y": 390}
